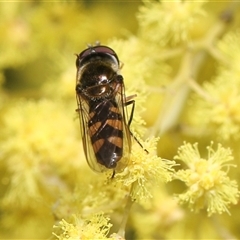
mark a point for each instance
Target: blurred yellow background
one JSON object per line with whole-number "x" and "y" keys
{"x": 181, "y": 58}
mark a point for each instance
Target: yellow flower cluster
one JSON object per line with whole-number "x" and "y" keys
{"x": 182, "y": 63}
{"x": 208, "y": 185}
{"x": 97, "y": 227}
{"x": 221, "y": 96}
{"x": 175, "y": 26}
{"x": 145, "y": 170}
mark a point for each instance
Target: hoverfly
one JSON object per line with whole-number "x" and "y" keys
{"x": 102, "y": 108}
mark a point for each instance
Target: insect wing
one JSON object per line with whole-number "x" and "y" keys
{"x": 121, "y": 101}
{"x": 116, "y": 123}
{"x": 109, "y": 132}
{"x": 83, "y": 110}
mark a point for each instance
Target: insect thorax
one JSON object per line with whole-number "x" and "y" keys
{"x": 97, "y": 80}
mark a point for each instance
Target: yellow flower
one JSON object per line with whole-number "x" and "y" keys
{"x": 163, "y": 21}
{"x": 144, "y": 170}
{"x": 229, "y": 48}
{"x": 37, "y": 137}
{"x": 208, "y": 185}
{"x": 221, "y": 104}
{"x": 96, "y": 227}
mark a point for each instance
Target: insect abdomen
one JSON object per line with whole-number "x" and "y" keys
{"x": 106, "y": 133}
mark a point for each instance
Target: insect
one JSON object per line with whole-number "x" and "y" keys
{"x": 102, "y": 108}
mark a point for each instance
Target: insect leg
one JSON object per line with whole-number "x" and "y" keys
{"x": 130, "y": 120}
{"x": 128, "y": 102}
{"x": 132, "y": 111}
{"x": 113, "y": 174}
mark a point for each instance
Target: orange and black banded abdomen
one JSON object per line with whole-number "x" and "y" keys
{"x": 106, "y": 132}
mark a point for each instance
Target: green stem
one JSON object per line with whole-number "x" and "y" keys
{"x": 177, "y": 92}
{"x": 121, "y": 231}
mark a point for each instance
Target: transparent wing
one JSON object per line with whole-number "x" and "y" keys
{"x": 103, "y": 132}
{"x": 83, "y": 110}
{"x": 121, "y": 100}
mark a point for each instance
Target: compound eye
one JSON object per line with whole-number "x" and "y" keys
{"x": 86, "y": 52}
{"x": 96, "y": 50}
{"x": 104, "y": 49}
